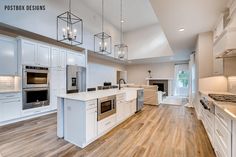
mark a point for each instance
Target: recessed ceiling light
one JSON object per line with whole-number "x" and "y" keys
{"x": 181, "y": 29}
{"x": 122, "y": 21}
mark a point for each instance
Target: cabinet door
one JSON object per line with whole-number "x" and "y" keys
{"x": 70, "y": 58}
{"x": 91, "y": 124}
{"x": 218, "y": 65}
{"x": 55, "y": 59}
{"x": 8, "y": 56}
{"x": 81, "y": 60}
{"x": 63, "y": 58}
{"x": 29, "y": 52}
{"x": 43, "y": 55}
{"x": 12, "y": 109}
{"x": 62, "y": 81}
{"x": 1, "y": 112}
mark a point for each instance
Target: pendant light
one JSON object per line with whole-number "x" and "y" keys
{"x": 69, "y": 28}
{"x": 121, "y": 50}
{"x": 102, "y": 41}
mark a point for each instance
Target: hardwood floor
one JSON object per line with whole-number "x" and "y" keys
{"x": 164, "y": 131}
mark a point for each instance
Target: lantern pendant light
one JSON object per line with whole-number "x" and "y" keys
{"x": 69, "y": 28}
{"x": 121, "y": 50}
{"x": 102, "y": 41}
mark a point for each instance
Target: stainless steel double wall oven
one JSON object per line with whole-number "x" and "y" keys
{"x": 35, "y": 83}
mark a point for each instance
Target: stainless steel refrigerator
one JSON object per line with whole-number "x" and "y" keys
{"x": 75, "y": 79}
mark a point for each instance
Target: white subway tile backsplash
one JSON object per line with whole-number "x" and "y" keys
{"x": 7, "y": 83}
{"x": 232, "y": 84}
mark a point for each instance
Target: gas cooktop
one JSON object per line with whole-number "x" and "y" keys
{"x": 223, "y": 97}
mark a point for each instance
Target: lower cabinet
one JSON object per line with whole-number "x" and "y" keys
{"x": 10, "y": 107}
{"x": 105, "y": 124}
{"x": 91, "y": 123}
{"x": 80, "y": 121}
{"x": 223, "y": 134}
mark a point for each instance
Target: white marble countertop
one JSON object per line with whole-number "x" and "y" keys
{"x": 86, "y": 96}
{"x": 227, "y": 107}
{"x": 9, "y": 91}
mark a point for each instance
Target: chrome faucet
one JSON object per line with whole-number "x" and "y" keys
{"x": 120, "y": 81}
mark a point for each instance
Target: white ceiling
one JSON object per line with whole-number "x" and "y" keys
{"x": 137, "y": 13}
{"x": 195, "y": 16}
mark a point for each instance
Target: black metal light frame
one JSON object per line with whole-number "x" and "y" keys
{"x": 103, "y": 37}
{"x": 121, "y": 47}
{"x": 71, "y": 21}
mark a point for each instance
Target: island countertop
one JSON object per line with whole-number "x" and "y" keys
{"x": 86, "y": 96}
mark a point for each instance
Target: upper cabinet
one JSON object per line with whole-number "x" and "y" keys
{"x": 8, "y": 56}
{"x": 204, "y": 53}
{"x": 58, "y": 58}
{"x": 35, "y": 54}
{"x": 75, "y": 58}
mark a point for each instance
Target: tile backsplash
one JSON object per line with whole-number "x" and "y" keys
{"x": 7, "y": 83}
{"x": 232, "y": 84}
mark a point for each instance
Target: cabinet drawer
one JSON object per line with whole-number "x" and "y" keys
{"x": 106, "y": 124}
{"x": 120, "y": 97}
{"x": 219, "y": 149}
{"x": 91, "y": 104}
{"x": 10, "y": 96}
{"x": 224, "y": 118}
{"x": 223, "y": 136}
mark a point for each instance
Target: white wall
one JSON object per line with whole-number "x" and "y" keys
{"x": 100, "y": 71}
{"x": 44, "y": 22}
{"x": 213, "y": 84}
{"x": 147, "y": 42}
{"x": 138, "y": 73}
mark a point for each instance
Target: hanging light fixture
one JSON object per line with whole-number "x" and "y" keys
{"x": 121, "y": 50}
{"x": 102, "y": 41}
{"x": 69, "y": 28}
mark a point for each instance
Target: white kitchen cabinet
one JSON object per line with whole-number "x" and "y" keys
{"x": 106, "y": 124}
{"x": 10, "y": 106}
{"x": 29, "y": 52}
{"x": 91, "y": 123}
{"x": 80, "y": 122}
{"x": 43, "y": 55}
{"x": 75, "y": 58}
{"x": 57, "y": 85}
{"x": 58, "y": 58}
{"x": 35, "y": 54}
{"x": 8, "y": 56}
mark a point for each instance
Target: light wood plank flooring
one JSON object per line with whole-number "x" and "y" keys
{"x": 164, "y": 131}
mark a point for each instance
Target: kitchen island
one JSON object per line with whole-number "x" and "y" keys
{"x": 84, "y": 117}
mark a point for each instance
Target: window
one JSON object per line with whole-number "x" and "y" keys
{"x": 183, "y": 78}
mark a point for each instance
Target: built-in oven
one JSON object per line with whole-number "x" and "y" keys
{"x": 35, "y": 97}
{"x": 106, "y": 107}
{"x": 35, "y": 77}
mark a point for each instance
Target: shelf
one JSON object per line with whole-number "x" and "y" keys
{"x": 16, "y": 32}
{"x": 105, "y": 57}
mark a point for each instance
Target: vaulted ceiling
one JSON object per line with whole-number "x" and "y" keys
{"x": 137, "y": 13}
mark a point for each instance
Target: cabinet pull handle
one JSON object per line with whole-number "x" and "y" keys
{"x": 10, "y": 96}
{"x": 10, "y": 101}
{"x": 222, "y": 117}
{"x": 219, "y": 133}
{"x": 107, "y": 123}
{"x": 218, "y": 154}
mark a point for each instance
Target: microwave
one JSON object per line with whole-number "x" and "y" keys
{"x": 106, "y": 107}
{"x": 35, "y": 77}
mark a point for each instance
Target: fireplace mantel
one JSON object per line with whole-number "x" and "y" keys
{"x": 159, "y": 79}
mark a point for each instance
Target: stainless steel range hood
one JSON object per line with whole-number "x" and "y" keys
{"x": 225, "y": 45}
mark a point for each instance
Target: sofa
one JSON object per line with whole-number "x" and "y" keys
{"x": 150, "y": 93}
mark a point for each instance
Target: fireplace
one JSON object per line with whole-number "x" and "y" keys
{"x": 162, "y": 85}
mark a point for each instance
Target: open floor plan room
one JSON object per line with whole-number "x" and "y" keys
{"x": 117, "y": 78}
